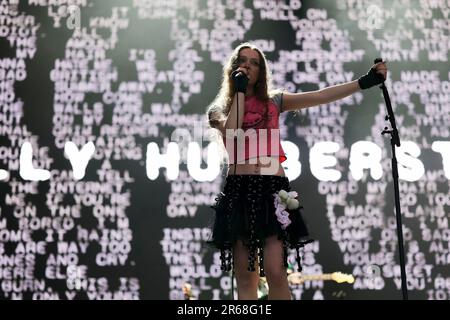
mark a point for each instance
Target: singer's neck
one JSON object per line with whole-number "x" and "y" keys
{"x": 249, "y": 92}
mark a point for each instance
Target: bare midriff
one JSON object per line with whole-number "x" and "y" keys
{"x": 260, "y": 166}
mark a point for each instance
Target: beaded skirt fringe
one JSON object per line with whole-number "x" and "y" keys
{"x": 245, "y": 210}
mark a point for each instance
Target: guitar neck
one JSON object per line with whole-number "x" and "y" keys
{"x": 313, "y": 277}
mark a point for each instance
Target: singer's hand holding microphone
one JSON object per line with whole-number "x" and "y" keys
{"x": 240, "y": 80}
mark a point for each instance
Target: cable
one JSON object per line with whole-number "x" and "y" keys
{"x": 235, "y": 165}
{"x": 232, "y": 282}
{"x": 237, "y": 132}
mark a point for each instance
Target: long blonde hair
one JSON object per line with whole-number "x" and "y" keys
{"x": 219, "y": 109}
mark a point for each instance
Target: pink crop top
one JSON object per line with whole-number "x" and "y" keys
{"x": 264, "y": 139}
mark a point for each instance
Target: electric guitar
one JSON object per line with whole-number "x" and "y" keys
{"x": 339, "y": 277}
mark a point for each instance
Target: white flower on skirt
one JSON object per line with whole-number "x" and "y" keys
{"x": 284, "y": 200}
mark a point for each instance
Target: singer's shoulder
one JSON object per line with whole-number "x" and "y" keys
{"x": 276, "y": 96}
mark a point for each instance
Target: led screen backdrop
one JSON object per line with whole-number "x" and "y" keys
{"x": 107, "y": 168}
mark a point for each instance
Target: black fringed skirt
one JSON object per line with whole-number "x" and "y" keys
{"x": 247, "y": 210}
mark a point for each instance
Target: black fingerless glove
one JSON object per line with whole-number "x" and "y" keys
{"x": 372, "y": 78}
{"x": 240, "y": 81}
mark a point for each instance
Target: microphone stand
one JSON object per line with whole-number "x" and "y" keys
{"x": 395, "y": 141}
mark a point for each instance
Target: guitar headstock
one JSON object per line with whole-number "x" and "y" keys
{"x": 340, "y": 277}
{"x": 187, "y": 291}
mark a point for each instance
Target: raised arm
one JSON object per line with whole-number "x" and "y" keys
{"x": 296, "y": 101}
